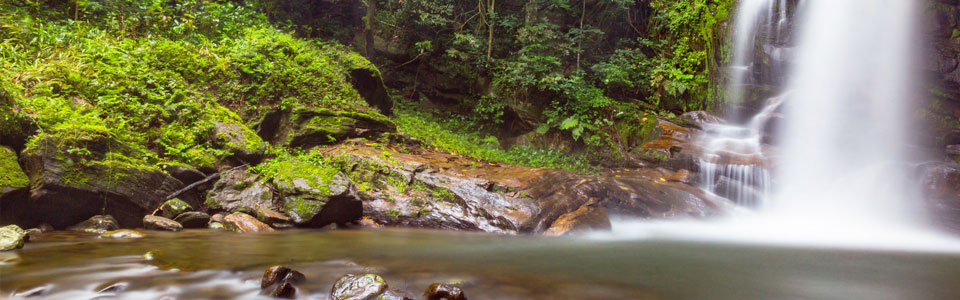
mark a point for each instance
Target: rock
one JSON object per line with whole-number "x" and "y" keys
{"x": 218, "y": 217}
{"x": 33, "y": 232}
{"x": 239, "y": 191}
{"x": 939, "y": 184}
{"x": 276, "y": 274}
{"x": 308, "y": 127}
{"x": 953, "y": 150}
{"x": 96, "y": 224}
{"x": 216, "y": 225}
{"x": 122, "y": 234}
{"x": 270, "y": 216}
{"x": 314, "y": 196}
{"x": 681, "y": 175}
{"x": 12, "y": 176}
{"x": 11, "y": 237}
{"x": 161, "y": 223}
{"x": 358, "y": 287}
{"x": 278, "y": 281}
{"x": 114, "y": 288}
{"x": 392, "y": 294}
{"x": 239, "y": 140}
{"x": 369, "y": 84}
{"x": 79, "y": 171}
{"x": 45, "y": 227}
{"x": 700, "y": 117}
{"x": 588, "y": 217}
{"x": 438, "y": 291}
{"x": 193, "y": 219}
{"x": 244, "y": 223}
{"x": 174, "y": 207}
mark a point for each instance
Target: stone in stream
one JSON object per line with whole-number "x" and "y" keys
{"x": 122, "y": 234}
{"x": 160, "y": 223}
{"x": 239, "y": 191}
{"x": 244, "y": 223}
{"x": 193, "y": 219}
{"x": 358, "y": 287}
{"x": 11, "y": 237}
{"x": 96, "y": 224}
{"x": 173, "y": 208}
{"x": 438, "y": 291}
{"x": 218, "y": 217}
{"x": 392, "y": 294}
{"x": 45, "y": 227}
{"x": 278, "y": 281}
{"x": 216, "y": 225}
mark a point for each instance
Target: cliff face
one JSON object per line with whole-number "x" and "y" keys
{"x": 942, "y": 35}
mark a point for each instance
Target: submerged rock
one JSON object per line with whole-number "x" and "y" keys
{"x": 161, "y": 223}
{"x": 174, "y": 207}
{"x": 244, "y": 223}
{"x": 122, "y": 234}
{"x": 12, "y": 237}
{"x": 358, "y": 287}
{"x": 193, "y": 219}
{"x": 96, "y": 224}
{"x": 440, "y": 291}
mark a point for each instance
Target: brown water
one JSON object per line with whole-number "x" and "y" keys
{"x": 218, "y": 265}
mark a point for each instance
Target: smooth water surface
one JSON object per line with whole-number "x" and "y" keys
{"x": 220, "y": 265}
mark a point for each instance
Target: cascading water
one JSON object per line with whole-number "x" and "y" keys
{"x": 840, "y": 162}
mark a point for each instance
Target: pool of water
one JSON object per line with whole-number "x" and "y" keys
{"x": 219, "y": 265}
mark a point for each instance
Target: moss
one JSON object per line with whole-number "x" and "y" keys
{"x": 231, "y": 132}
{"x": 302, "y": 209}
{"x": 11, "y": 175}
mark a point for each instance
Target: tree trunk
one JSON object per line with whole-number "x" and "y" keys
{"x": 490, "y": 31}
{"x": 371, "y": 19}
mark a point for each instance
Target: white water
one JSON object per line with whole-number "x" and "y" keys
{"x": 841, "y": 175}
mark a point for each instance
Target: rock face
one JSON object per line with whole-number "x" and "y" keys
{"x": 193, "y": 219}
{"x": 940, "y": 185}
{"x": 160, "y": 223}
{"x": 96, "y": 224}
{"x": 244, "y": 223}
{"x": 11, "y": 237}
{"x": 11, "y": 176}
{"x": 358, "y": 287}
{"x": 589, "y": 216}
{"x": 80, "y": 171}
{"x": 239, "y": 191}
{"x": 305, "y": 127}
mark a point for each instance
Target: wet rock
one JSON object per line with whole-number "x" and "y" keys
{"x": 67, "y": 187}
{"x": 278, "y": 281}
{"x": 216, "y": 225}
{"x": 438, "y": 291}
{"x": 392, "y": 294}
{"x": 122, "y": 234}
{"x": 45, "y": 227}
{"x": 174, "y": 207}
{"x": 244, "y": 223}
{"x": 239, "y": 191}
{"x": 11, "y": 237}
{"x": 270, "y": 216}
{"x": 940, "y": 186}
{"x": 34, "y": 232}
{"x": 9, "y": 258}
{"x": 589, "y": 216}
{"x": 700, "y": 117}
{"x": 218, "y": 217}
{"x": 193, "y": 219}
{"x": 681, "y": 175}
{"x": 96, "y": 224}
{"x": 161, "y": 223}
{"x": 953, "y": 150}
{"x": 358, "y": 287}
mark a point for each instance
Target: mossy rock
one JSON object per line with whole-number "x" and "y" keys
{"x": 11, "y": 175}
{"x": 11, "y": 237}
{"x": 239, "y": 191}
{"x": 174, "y": 207}
{"x": 232, "y": 136}
{"x": 308, "y": 127}
{"x": 81, "y": 170}
{"x": 316, "y": 195}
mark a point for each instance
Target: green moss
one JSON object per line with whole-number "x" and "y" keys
{"x": 11, "y": 175}
{"x": 303, "y": 209}
{"x": 393, "y": 214}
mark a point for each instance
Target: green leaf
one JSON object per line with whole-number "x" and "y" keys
{"x": 568, "y": 123}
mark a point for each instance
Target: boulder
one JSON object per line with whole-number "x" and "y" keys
{"x": 83, "y": 170}
{"x": 279, "y": 281}
{"x": 441, "y": 291}
{"x": 11, "y": 175}
{"x": 589, "y": 216}
{"x": 700, "y": 117}
{"x": 193, "y": 219}
{"x": 239, "y": 191}
{"x": 11, "y": 237}
{"x": 161, "y": 223}
{"x": 315, "y": 196}
{"x": 173, "y": 208}
{"x": 122, "y": 234}
{"x": 392, "y": 294}
{"x": 96, "y": 224}
{"x": 308, "y": 127}
{"x": 244, "y": 223}
{"x": 358, "y": 287}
